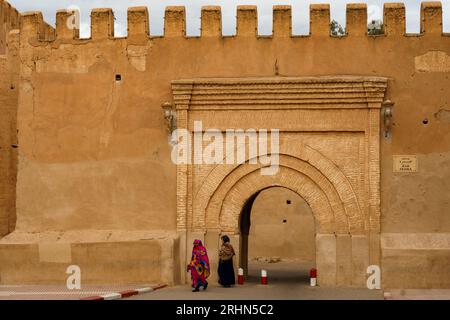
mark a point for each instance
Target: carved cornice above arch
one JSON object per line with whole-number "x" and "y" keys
{"x": 335, "y": 92}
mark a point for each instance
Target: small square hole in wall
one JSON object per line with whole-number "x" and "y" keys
{"x": 118, "y": 77}
{"x": 284, "y": 221}
{"x": 288, "y": 201}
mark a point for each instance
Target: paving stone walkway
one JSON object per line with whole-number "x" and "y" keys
{"x": 286, "y": 281}
{"x": 42, "y": 292}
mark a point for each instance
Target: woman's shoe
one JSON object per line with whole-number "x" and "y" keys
{"x": 195, "y": 289}
{"x": 205, "y": 286}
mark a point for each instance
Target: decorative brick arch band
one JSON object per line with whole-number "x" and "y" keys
{"x": 347, "y": 216}
{"x": 330, "y": 211}
{"x": 288, "y": 178}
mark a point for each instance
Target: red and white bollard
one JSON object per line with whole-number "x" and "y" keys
{"x": 240, "y": 276}
{"x": 263, "y": 277}
{"x": 313, "y": 277}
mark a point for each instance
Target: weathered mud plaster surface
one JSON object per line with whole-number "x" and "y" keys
{"x": 433, "y": 61}
{"x": 104, "y": 256}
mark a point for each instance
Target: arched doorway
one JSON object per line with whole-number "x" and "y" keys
{"x": 277, "y": 234}
{"x": 342, "y": 243}
{"x": 329, "y": 132}
{"x": 246, "y": 181}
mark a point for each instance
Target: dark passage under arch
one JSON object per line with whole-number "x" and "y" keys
{"x": 283, "y": 234}
{"x": 244, "y": 225}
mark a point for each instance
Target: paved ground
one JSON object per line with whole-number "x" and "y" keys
{"x": 287, "y": 281}
{"x": 58, "y": 292}
{"x": 417, "y": 294}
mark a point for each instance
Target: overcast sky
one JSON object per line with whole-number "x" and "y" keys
{"x": 156, "y": 7}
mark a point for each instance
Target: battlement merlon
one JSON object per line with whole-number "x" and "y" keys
{"x": 102, "y": 22}
{"x": 394, "y": 19}
{"x": 32, "y": 25}
{"x": 282, "y": 21}
{"x": 319, "y": 20}
{"x": 211, "y": 21}
{"x": 67, "y": 26}
{"x": 9, "y": 15}
{"x": 431, "y": 18}
{"x": 9, "y": 20}
{"x": 247, "y": 21}
{"x": 175, "y": 21}
{"x": 356, "y": 19}
{"x": 138, "y": 22}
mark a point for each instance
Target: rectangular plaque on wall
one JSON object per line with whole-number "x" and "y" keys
{"x": 405, "y": 164}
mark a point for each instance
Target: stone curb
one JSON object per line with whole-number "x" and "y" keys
{"x": 125, "y": 294}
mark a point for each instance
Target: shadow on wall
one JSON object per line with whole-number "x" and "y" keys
{"x": 9, "y": 74}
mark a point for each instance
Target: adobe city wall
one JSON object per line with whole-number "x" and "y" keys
{"x": 9, "y": 20}
{"x": 94, "y": 152}
{"x": 104, "y": 257}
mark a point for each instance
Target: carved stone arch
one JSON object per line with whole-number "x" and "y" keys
{"x": 288, "y": 178}
{"x": 216, "y": 199}
{"x": 342, "y": 199}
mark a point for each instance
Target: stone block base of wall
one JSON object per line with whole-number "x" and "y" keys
{"x": 116, "y": 257}
{"x": 415, "y": 261}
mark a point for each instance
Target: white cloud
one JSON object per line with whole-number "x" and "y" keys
{"x": 156, "y": 7}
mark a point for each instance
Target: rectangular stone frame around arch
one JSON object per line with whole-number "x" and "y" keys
{"x": 341, "y": 259}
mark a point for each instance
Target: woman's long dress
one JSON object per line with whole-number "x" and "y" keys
{"x": 226, "y": 273}
{"x": 226, "y": 268}
{"x": 199, "y": 265}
